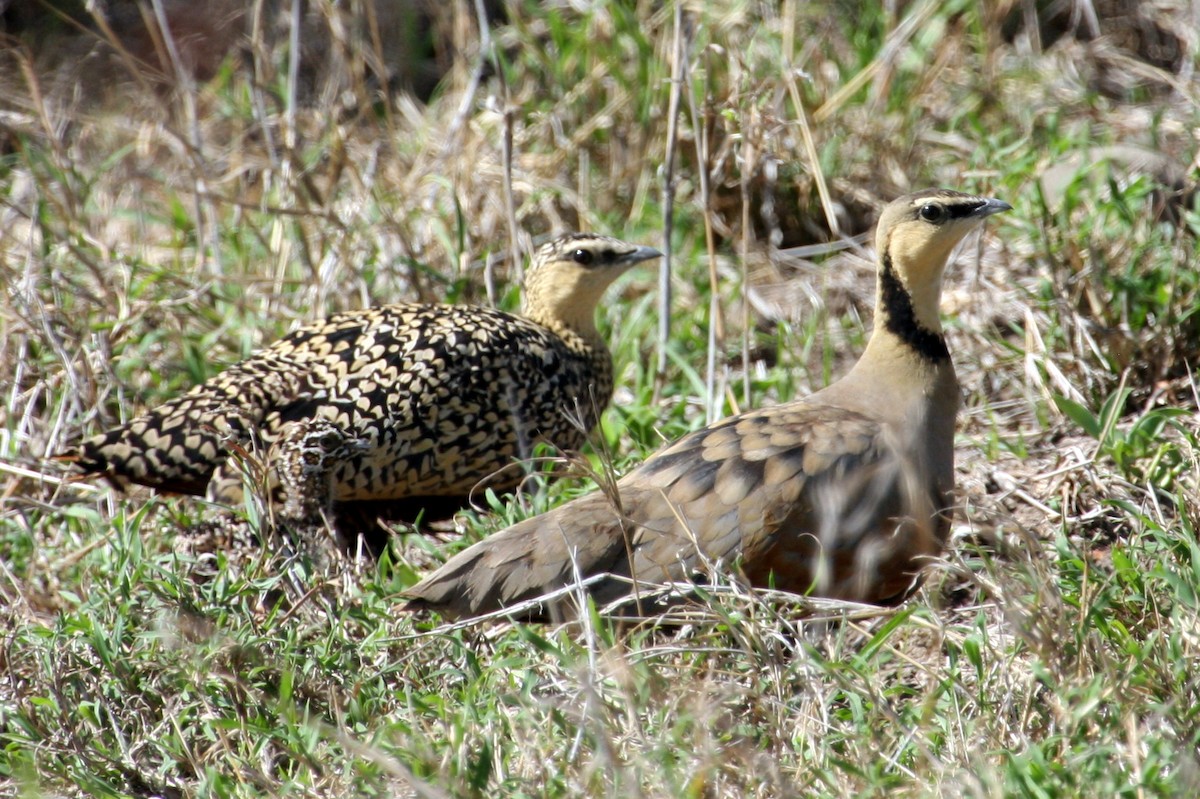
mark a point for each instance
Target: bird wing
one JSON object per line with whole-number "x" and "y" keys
{"x": 451, "y": 386}
{"x": 771, "y": 491}
{"x": 177, "y": 445}
{"x": 449, "y": 396}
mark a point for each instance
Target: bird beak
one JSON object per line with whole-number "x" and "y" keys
{"x": 989, "y": 207}
{"x": 640, "y": 254}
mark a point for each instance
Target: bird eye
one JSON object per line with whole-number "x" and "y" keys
{"x": 933, "y": 213}
{"x": 582, "y": 256}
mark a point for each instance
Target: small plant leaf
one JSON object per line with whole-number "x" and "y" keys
{"x": 1080, "y": 415}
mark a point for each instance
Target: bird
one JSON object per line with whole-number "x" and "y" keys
{"x": 302, "y": 462}
{"x": 843, "y": 494}
{"x": 297, "y": 473}
{"x": 442, "y": 396}
{"x": 300, "y": 474}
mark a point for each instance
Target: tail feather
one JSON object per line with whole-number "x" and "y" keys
{"x": 178, "y": 445}
{"x": 181, "y": 464}
{"x": 529, "y": 559}
{"x": 175, "y": 447}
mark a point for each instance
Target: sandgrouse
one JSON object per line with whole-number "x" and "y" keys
{"x": 303, "y": 460}
{"x": 299, "y": 470}
{"x": 842, "y": 494}
{"x": 443, "y": 396}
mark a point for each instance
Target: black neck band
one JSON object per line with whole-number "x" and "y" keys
{"x": 899, "y": 318}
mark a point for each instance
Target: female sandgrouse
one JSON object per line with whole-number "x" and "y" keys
{"x": 444, "y": 396}
{"x": 843, "y": 494}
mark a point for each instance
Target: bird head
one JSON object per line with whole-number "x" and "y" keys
{"x": 569, "y": 274}
{"x": 916, "y": 235}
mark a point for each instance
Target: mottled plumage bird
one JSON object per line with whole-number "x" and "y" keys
{"x": 301, "y": 466}
{"x": 443, "y": 396}
{"x": 843, "y": 494}
{"x": 298, "y": 473}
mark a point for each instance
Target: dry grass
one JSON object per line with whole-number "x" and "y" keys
{"x": 161, "y": 228}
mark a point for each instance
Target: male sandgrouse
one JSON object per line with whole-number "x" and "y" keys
{"x": 444, "y": 396}
{"x": 842, "y": 494}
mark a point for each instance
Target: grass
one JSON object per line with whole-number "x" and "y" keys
{"x": 158, "y": 231}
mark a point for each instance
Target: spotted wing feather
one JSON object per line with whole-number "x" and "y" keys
{"x": 790, "y": 493}
{"x": 443, "y": 395}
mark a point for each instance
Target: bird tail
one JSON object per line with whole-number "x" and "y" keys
{"x": 173, "y": 448}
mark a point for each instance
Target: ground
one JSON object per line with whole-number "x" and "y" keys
{"x": 157, "y": 226}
